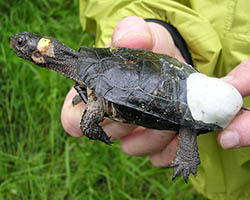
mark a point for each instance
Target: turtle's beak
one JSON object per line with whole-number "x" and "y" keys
{"x": 13, "y": 43}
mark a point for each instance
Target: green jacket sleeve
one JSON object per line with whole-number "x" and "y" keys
{"x": 215, "y": 48}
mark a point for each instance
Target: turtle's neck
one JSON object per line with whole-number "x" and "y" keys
{"x": 62, "y": 60}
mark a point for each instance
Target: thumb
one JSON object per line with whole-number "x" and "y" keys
{"x": 240, "y": 78}
{"x": 135, "y": 32}
{"x": 132, "y": 32}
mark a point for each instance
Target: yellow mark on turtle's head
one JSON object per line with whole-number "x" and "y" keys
{"x": 43, "y": 44}
{"x": 37, "y": 58}
{"x": 46, "y": 47}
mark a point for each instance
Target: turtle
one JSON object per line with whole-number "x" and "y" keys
{"x": 138, "y": 86}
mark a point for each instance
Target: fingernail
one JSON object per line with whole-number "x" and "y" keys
{"x": 127, "y": 36}
{"x": 230, "y": 139}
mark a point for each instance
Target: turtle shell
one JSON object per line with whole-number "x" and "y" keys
{"x": 150, "y": 83}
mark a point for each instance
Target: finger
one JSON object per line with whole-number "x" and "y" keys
{"x": 71, "y": 115}
{"x": 237, "y": 134}
{"x": 145, "y": 141}
{"x": 240, "y": 78}
{"x": 163, "y": 42}
{"x": 166, "y": 156}
{"x": 134, "y": 32}
{"x": 117, "y": 130}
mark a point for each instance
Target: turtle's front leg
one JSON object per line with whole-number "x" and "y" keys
{"x": 187, "y": 158}
{"x": 82, "y": 95}
{"x": 92, "y": 116}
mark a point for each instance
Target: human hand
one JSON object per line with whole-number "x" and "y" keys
{"x": 160, "y": 146}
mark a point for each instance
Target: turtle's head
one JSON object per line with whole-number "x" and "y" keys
{"x": 26, "y": 45}
{"x": 46, "y": 52}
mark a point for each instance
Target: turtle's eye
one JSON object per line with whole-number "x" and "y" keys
{"x": 21, "y": 41}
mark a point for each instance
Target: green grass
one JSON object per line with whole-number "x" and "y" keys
{"x": 38, "y": 159}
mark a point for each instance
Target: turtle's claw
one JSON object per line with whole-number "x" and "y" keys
{"x": 184, "y": 169}
{"x": 187, "y": 156}
{"x": 107, "y": 140}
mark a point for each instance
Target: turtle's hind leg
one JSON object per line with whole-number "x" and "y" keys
{"x": 187, "y": 158}
{"x": 92, "y": 116}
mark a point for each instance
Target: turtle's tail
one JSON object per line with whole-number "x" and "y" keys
{"x": 244, "y": 108}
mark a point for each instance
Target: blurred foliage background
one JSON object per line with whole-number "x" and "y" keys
{"x": 38, "y": 159}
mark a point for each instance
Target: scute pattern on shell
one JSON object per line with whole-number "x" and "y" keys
{"x": 139, "y": 79}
